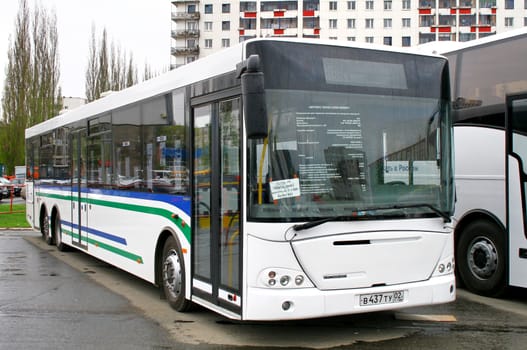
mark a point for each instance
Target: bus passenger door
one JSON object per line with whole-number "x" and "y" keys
{"x": 216, "y": 204}
{"x": 517, "y": 188}
{"x": 78, "y": 190}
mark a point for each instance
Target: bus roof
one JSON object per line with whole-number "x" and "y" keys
{"x": 218, "y": 63}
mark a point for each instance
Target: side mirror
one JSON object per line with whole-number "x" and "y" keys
{"x": 253, "y": 97}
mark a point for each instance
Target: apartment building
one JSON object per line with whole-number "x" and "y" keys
{"x": 201, "y": 27}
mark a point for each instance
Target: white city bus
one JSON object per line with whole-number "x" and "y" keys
{"x": 277, "y": 179}
{"x": 489, "y": 90}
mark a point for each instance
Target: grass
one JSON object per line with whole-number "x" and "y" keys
{"x": 13, "y": 217}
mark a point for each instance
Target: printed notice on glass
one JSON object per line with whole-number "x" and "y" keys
{"x": 330, "y": 147}
{"x": 285, "y": 188}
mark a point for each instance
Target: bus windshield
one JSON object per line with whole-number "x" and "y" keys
{"x": 352, "y": 153}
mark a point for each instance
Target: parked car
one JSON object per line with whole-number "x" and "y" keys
{"x": 5, "y": 188}
{"x": 18, "y": 185}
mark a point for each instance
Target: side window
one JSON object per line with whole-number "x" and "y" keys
{"x": 61, "y": 155}
{"x": 99, "y": 152}
{"x": 45, "y": 165}
{"x": 127, "y": 168}
{"x": 165, "y": 144}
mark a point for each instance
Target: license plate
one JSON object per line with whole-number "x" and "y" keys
{"x": 394, "y": 297}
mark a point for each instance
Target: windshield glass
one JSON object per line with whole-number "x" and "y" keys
{"x": 351, "y": 154}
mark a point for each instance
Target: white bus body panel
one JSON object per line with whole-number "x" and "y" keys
{"x": 517, "y": 240}
{"x": 480, "y": 171}
{"x": 396, "y": 258}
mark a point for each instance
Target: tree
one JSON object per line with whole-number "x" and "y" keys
{"x": 108, "y": 67}
{"x": 31, "y": 87}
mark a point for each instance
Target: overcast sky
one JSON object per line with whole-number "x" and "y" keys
{"x": 141, "y": 27}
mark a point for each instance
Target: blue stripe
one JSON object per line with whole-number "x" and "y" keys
{"x": 94, "y": 232}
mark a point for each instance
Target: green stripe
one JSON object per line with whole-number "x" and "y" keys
{"x": 105, "y": 246}
{"x": 185, "y": 228}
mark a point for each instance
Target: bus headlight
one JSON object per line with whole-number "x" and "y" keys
{"x": 283, "y": 278}
{"x": 445, "y": 267}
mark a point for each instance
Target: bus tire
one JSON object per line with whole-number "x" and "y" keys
{"x": 44, "y": 227}
{"x": 57, "y": 233}
{"x": 173, "y": 275}
{"x": 481, "y": 259}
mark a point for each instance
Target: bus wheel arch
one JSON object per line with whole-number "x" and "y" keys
{"x": 481, "y": 257}
{"x": 170, "y": 271}
{"x": 45, "y": 225}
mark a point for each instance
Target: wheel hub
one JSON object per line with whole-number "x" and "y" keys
{"x": 172, "y": 274}
{"x": 483, "y": 258}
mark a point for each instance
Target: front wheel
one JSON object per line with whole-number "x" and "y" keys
{"x": 480, "y": 257}
{"x": 173, "y": 274}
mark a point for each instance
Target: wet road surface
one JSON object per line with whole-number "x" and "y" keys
{"x": 50, "y": 299}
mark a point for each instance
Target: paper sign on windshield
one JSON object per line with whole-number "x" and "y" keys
{"x": 285, "y": 188}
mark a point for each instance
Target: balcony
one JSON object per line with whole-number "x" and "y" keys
{"x": 184, "y": 51}
{"x": 185, "y": 16}
{"x": 185, "y": 33}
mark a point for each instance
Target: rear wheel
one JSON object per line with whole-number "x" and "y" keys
{"x": 173, "y": 274}
{"x": 480, "y": 257}
{"x": 57, "y": 234}
{"x": 44, "y": 227}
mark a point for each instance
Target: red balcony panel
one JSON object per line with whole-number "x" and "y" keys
{"x": 445, "y": 29}
{"x": 493, "y": 10}
{"x": 242, "y": 31}
{"x": 279, "y": 13}
{"x": 453, "y": 11}
{"x": 278, "y": 31}
{"x": 250, "y": 14}
{"x": 316, "y": 31}
{"x": 425, "y": 11}
{"x": 465, "y": 11}
{"x": 485, "y": 29}
{"x": 472, "y": 29}
{"x": 309, "y": 13}
{"x": 433, "y": 29}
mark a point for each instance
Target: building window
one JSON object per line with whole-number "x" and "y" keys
{"x": 407, "y": 23}
{"x": 208, "y": 26}
{"x": 208, "y": 8}
{"x": 369, "y": 5}
{"x": 191, "y": 59}
{"x": 351, "y": 23}
{"x": 352, "y": 5}
{"x": 387, "y": 22}
{"x": 225, "y": 8}
{"x": 407, "y": 41}
{"x": 208, "y": 43}
{"x": 332, "y": 38}
{"x": 509, "y": 4}
{"x": 369, "y": 39}
{"x": 333, "y": 6}
{"x": 225, "y": 25}
{"x": 387, "y": 5}
{"x": 332, "y": 23}
{"x": 387, "y": 40}
{"x": 351, "y": 38}
{"x": 407, "y": 4}
{"x": 525, "y": 21}
{"x": 509, "y": 21}
{"x": 225, "y": 42}
{"x": 369, "y": 23}
{"x": 191, "y": 8}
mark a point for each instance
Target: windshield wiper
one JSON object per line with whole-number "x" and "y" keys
{"x": 311, "y": 224}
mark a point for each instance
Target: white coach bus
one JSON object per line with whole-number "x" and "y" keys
{"x": 277, "y": 179}
{"x": 489, "y": 90}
